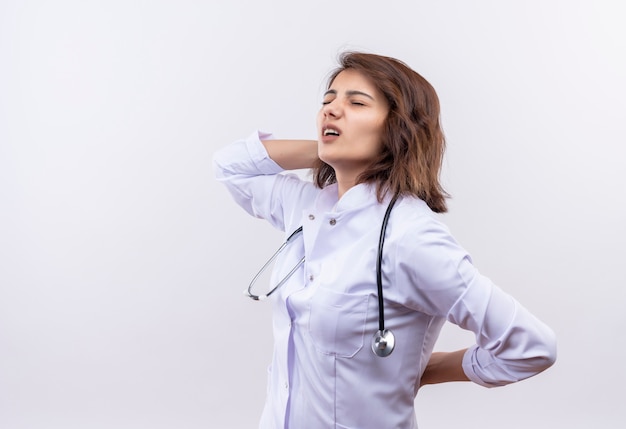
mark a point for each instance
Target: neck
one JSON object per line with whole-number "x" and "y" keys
{"x": 344, "y": 183}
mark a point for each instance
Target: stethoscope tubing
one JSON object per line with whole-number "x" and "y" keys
{"x": 379, "y": 262}
{"x": 383, "y": 341}
{"x": 262, "y": 297}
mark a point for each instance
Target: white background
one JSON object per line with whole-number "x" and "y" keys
{"x": 122, "y": 260}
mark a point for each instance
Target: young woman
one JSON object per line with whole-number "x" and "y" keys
{"x": 376, "y": 161}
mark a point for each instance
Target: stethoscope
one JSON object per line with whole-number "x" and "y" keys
{"x": 383, "y": 341}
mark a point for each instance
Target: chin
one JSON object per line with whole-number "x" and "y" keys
{"x": 325, "y": 158}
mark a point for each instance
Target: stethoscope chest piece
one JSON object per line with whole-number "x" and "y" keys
{"x": 383, "y": 343}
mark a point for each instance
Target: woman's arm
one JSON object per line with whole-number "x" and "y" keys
{"x": 440, "y": 279}
{"x": 444, "y": 367}
{"x": 255, "y": 182}
{"x": 292, "y": 154}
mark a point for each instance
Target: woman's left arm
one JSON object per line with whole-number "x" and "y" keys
{"x": 511, "y": 343}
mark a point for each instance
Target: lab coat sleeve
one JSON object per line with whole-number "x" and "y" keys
{"x": 511, "y": 343}
{"x": 255, "y": 182}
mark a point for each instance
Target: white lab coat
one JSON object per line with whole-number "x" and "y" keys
{"x": 323, "y": 372}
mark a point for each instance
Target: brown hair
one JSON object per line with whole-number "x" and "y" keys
{"x": 413, "y": 141}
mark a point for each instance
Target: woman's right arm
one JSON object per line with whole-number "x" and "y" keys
{"x": 250, "y": 169}
{"x": 292, "y": 154}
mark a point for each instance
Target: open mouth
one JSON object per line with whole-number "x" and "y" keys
{"x": 330, "y": 132}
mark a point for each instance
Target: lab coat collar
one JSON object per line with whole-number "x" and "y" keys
{"x": 358, "y": 196}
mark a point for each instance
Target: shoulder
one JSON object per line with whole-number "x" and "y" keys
{"x": 426, "y": 257}
{"x": 413, "y": 217}
{"x": 416, "y": 231}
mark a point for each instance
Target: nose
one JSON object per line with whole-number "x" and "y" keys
{"x": 331, "y": 109}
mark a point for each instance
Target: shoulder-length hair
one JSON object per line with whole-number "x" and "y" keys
{"x": 413, "y": 140}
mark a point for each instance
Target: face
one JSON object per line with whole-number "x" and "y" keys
{"x": 350, "y": 124}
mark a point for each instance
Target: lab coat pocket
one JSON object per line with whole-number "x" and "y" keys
{"x": 337, "y": 322}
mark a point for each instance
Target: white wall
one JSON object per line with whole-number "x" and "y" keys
{"x": 122, "y": 261}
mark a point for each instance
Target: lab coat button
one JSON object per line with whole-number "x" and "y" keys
{"x": 311, "y": 217}
{"x": 332, "y": 221}
{"x": 311, "y": 277}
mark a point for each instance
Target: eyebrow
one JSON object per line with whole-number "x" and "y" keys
{"x": 349, "y": 93}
